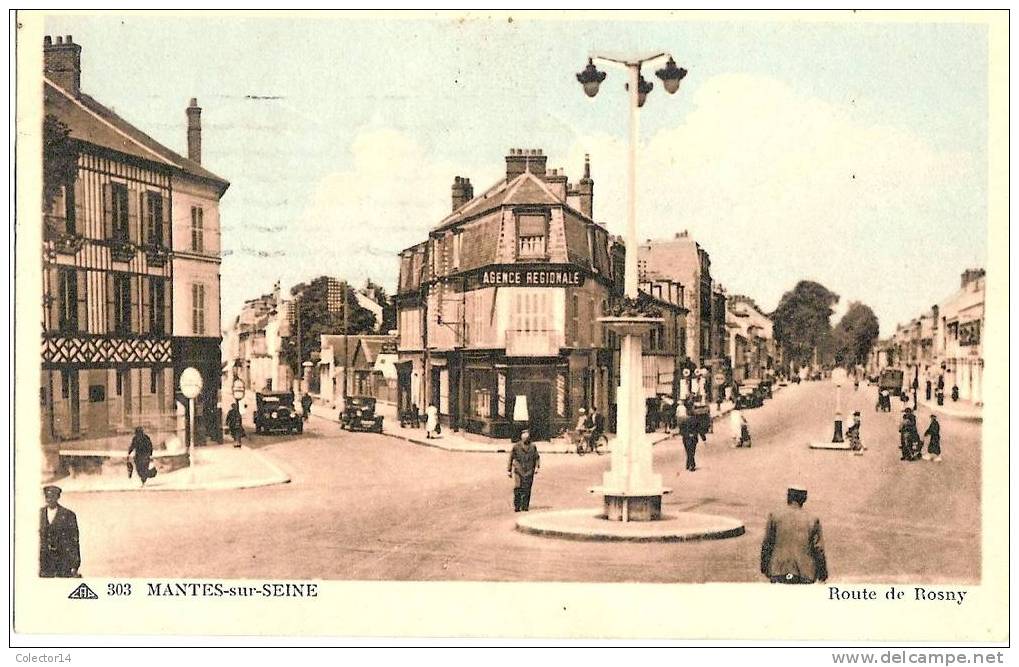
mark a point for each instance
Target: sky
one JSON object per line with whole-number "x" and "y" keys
{"x": 850, "y": 153}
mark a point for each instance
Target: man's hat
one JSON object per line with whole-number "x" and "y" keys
{"x": 856, "y": 414}
{"x": 51, "y": 487}
{"x": 582, "y": 411}
{"x": 798, "y": 487}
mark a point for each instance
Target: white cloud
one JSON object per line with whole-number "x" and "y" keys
{"x": 779, "y": 186}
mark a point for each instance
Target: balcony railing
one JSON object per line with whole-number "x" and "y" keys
{"x": 540, "y": 343}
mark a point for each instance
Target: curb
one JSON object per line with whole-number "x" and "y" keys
{"x": 961, "y": 416}
{"x": 276, "y": 476}
{"x": 668, "y": 529}
{"x": 501, "y": 450}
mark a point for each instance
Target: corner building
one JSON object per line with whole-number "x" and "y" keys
{"x": 498, "y": 308}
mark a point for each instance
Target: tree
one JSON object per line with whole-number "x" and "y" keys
{"x": 856, "y": 333}
{"x": 311, "y": 310}
{"x": 803, "y": 322}
{"x": 59, "y": 159}
{"x": 378, "y": 294}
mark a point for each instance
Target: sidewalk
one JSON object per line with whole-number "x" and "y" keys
{"x": 957, "y": 410}
{"x": 215, "y": 467}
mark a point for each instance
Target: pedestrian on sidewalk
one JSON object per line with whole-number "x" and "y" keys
{"x": 306, "y": 406}
{"x": 524, "y": 462}
{"x": 235, "y": 425}
{"x": 933, "y": 434}
{"x": 793, "y": 548}
{"x": 59, "y": 552}
{"x": 431, "y": 421}
{"x": 141, "y": 446}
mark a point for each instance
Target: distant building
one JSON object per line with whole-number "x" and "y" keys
{"x": 751, "y": 339}
{"x": 128, "y": 301}
{"x": 682, "y": 259}
{"x": 253, "y": 344}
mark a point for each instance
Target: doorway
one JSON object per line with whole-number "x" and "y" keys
{"x": 539, "y": 408}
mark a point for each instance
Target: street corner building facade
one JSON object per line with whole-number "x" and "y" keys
{"x": 131, "y": 271}
{"x": 498, "y": 309}
{"x": 752, "y": 349}
{"x": 942, "y": 346}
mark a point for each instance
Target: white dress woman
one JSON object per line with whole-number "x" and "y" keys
{"x": 431, "y": 421}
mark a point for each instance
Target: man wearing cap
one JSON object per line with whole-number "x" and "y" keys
{"x": 141, "y": 447}
{"x": 524, "y": 462}
{"x": 59, "y": 555}
{"x": 793, "y": 549}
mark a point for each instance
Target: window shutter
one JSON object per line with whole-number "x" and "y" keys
{"x": 146, "y": 318}
{"x": 107, "y": 210}
{"x": 82, "y": 278}
{"x": 79, "y": 207}
{"x": 53, "y": 311}
{"x": 135, "y": 323}
{"x": 133, "y": 219}
{"x": 111, "y": 303}
{"x": 166, "y": 222}
{"x": 143, "y": 213}
{"x": 167, "y": 312}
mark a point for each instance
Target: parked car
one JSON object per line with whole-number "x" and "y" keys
{"x": 749, "y": 395}
{"x": 768, "y": 387}
{"x": 359, "y": 415}
{"x": 274, "y": 412}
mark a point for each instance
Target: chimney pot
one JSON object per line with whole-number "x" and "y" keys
{"x": 60, "y": 39}
{"x": 194, "y": 115}
{"x": 70, "y": 40}
{"x": 47, "y": 40}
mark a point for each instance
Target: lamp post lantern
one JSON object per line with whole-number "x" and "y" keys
{"x": 631, "y": 490}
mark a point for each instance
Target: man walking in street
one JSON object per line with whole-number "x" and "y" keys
{"x": 689, "y": 433}
{"x": 909, "y": 437}
{"x": 59, "y": 554}
{"x": 793, "y": 548}
{"x": 524, "y": 462}
{"x": 933, "y": 433}
{"x": 306, "y": 406}
{"x": 141, "y": 446}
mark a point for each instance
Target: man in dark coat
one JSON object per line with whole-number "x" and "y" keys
{"x": 524, "y": 462}
{"x": 141, "y": 446}
{"x": 306, "y": 405}
{"x": 933, "y": 433}
{"x": 59, "y": 555}
{"x": 235, "y": 425}
{"x": 793, "y": 548}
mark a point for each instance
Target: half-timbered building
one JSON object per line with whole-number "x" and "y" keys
{"x": 111, "y": 249}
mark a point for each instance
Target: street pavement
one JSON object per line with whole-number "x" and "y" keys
{"x": 371, "y": 507}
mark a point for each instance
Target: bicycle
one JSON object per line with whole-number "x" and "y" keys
{"x": 585, "y": 442}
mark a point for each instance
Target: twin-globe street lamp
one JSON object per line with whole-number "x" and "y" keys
{"x": 631, "y": 490}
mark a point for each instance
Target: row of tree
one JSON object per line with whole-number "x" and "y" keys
{"x": 313, "y": 318}
{"x": 804, "y": 332}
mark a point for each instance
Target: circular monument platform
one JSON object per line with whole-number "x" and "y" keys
{"x": 590, "y": 524}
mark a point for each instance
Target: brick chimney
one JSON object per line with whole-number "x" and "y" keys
{"x": 462, "y": 192}
{"x": 62, "y": 63}
{"x": 557, "y": 183}
{"x": 969, "y": 275}
{"x": 585, "y": 190}
{"x": 520, "y": 160}
{"x": 194, "y": 113}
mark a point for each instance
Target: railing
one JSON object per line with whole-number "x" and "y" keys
{"x": 540, "y": 343}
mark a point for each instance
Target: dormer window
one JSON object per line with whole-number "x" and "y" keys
{"x": 532, "y": 235}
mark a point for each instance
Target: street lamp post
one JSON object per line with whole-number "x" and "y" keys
{"x": 631, "y": 490}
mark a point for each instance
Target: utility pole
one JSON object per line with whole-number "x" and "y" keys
{"x": 300, "y": 346}
{"x": 346, "y": 355}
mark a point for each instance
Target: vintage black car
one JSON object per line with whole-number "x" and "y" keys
{"x": 274, "y": 412}
{"x": 359, "y": 415}
{"x": 750, "y": 395}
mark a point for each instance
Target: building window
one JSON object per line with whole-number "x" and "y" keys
{"x": 154, "y": 218}
{"x": 120, "y": 382}
{"x": 155, "y": 380}
{"x": 122, "y": 303}
{"x": 119, "y": 212}
{"x": 532, "y": 230}
{"x": 67, "y": 290}
{"x": 65, "y": 383}
{"x": 198, "y": 309}
{"x": 69, "y": 204}
{"x": 96, "y": 393}
{"x": 197, "y": 229}
{"x": 157, "y": 306}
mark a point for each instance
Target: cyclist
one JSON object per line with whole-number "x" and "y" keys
{"x": 584, "y": 428}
